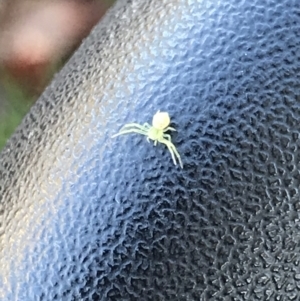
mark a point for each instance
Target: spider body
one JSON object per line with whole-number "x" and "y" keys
{"x": 156, "y": 132}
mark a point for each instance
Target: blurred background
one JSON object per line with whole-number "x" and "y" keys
{"x": 36, "y": 38}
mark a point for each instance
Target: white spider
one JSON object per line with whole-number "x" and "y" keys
{"x": 156, "y": 132}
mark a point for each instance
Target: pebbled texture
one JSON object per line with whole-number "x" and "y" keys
{"x": 87, "y": 217}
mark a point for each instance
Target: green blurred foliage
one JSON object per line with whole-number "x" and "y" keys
{"x": 13, "y": 110}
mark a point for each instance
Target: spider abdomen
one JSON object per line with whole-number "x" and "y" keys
{"x": 161, "y": 120}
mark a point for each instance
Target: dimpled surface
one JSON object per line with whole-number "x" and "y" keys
{"x": 87, "y": 217}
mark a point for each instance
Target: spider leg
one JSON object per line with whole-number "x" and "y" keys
{"x": 168, "y": 137}
{"x": 131, "y": 131}
{"x": 155, "y": 142}
{"x": 134, "y": 125}
{"x": 176, "y": 153}
{"x": 169, "y": 129}
{"x": 173, "y": 151}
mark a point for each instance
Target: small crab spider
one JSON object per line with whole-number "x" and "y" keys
{"x": 156, "y": 132}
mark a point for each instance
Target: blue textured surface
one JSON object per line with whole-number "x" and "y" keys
{"x": 87, "y": 217}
